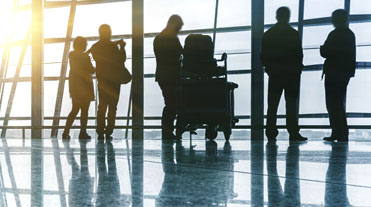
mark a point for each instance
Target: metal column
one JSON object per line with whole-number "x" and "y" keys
{"x": 37, "y": 115}
{"x": 347, "y": 8}
{"x": 137, "y": 70}
{"x": 257, "y": 72}
{"x": 301, "y": 18}
{"x": 300, "y": 30}
{"x": 62, "y": 80}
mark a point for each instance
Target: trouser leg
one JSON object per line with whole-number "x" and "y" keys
{"x": 112, "y": 108}
{"x": 292, "y": 99}
{"x": 84, "y": 116}
{"x": 101, "y": 115}
{"x": 332, "y": 106}
{"x": 343, "y": 125}
{"x": 169, "y": 111}
{"x": 111, "y": 117}
{"x": 274, "y": 95}
{"x": 71, "y": 117}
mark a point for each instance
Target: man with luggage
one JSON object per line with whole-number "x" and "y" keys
{"x": 282, "y": 57}
{"x": 340, "y": 53}
{"x": 168, "y": 51}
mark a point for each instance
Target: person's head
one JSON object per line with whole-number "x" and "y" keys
{"x": 80, "y": 44}
{"x": 283, "y": 14}
{"x": 339, "y": 17}
{"x": 175, "y": 23}
{"x": 105, "y": 32}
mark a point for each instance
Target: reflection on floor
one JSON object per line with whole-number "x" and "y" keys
{"x": 188, "y": 173}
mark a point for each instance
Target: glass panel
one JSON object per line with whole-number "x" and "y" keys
{"x": 56, "y": 22}
{"x": 238, "y": 61}
{"x": 360, "y": 7}
{"x": 233, "y": 42}
{"x": 312, "y": 93}
{"x": 234, "y": 13}
{"x": 117, "y": 15}
{"x": 363, "y": 53}
{"x": 22, "y": 100}
{"x": 359, "y": 87}
{"x": 362, "y": 32}
{"x": 22, "y": 25}
{"x": 53, "y": 53}
{"x": 5, "y": 98}
{"x": 195, "y": 14}
{"x": 315, "y": 36}
{"x": 50, "y": 96}
{"x": 154, "y": 102}
{"x": 242, "y": 93}
{"x": 320, "y": 8}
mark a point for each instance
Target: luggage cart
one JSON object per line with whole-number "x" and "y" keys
{"x": 206, "y": 96}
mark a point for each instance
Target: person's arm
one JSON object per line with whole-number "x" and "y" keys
{"x": 325, "y": 48}
{"x": 299, "y": 51}
{"x": 353, "y": 55}
{"x": 265, "y": 54}
{"x": 89, "y": 66}
{"x": 122, "y": 45}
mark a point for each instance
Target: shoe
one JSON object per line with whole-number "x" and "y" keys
{"x": 109, "y": 138}
{"x": 272, "y": 139}
{"x": 329, "y": 139}
{"x": 169, "y": 136}
{"x": 298, "y": 137}
{"x": 65, "y": 136}
{"x": 101, "y": 137}
{"x": 179, "y": 136}
{"x": 84, "y": 135}
{"x": 271, "y": 135}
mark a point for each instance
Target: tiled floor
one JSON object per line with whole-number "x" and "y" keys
{"x": 198, "y": 173}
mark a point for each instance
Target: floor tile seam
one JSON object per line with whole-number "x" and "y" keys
{"x": 265, "y": 175}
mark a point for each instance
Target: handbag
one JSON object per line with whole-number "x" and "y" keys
{"x": 125, "y": 76}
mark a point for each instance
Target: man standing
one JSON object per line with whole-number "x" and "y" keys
{"x": 168, "y": 51}
{"x": 282, "y": 57}
{"x": 109, "y": 59}
{"x": 340, "y": 53}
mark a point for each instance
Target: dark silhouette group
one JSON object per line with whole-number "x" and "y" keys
{"x": 281, "y": 55}
{"x": 109, "y": 57}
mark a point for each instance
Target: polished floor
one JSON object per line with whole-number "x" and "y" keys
{"x": 51, "y": 172}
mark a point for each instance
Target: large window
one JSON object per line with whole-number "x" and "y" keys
{"x": 232, "y": 35}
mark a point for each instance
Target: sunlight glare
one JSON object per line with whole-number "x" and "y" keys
{"x": 14, "y": 23}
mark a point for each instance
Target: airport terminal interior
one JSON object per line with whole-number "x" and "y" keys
{"x": 137, "y": 167}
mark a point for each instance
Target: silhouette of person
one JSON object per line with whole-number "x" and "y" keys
{"x": 184, "y": 185}
{"x": 336, "y": 188}
{"x": 291, "y": 195}
{"x": 81, "y": 183}
{"x": 282, "y": 57}
{"x": 339, "y": 50}
{"x": 168, "y": 51}
{"x": 80, "y": 86}
{"x": 108, "y": 190}
{"x": 109, "y": 57}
